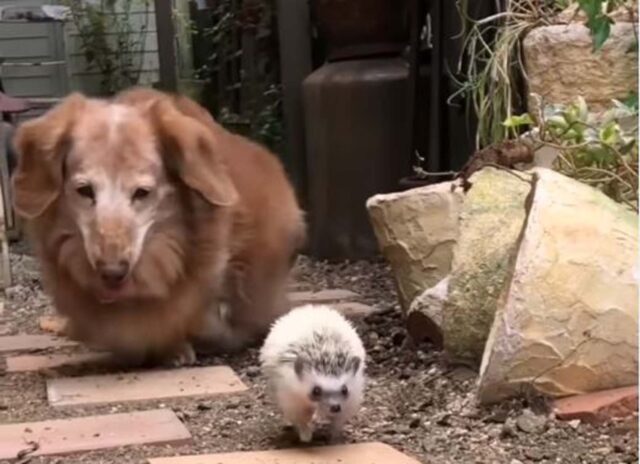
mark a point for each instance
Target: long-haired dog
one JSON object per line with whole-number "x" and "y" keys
{"x": 155, "y": 227}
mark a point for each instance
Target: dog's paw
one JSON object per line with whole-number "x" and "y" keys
{"x": 55, "y": 324}
{"x": 185, "y": 356}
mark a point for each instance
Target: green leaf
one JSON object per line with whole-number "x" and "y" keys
{"x": 600, "y": 31}
{"x": 518, "y": 120}
{"x": 631, "y": 101}
{"x": 610, "y": 134}
{"x": 597, "y": 21}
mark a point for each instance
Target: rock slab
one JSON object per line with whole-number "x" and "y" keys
{"x": 567, "y": 323}
{"x": 27, "y": 342}
{"x": 600, "y": 406}
{"x": 491, "y": 221}
{"x": 143, "y": 386}
{"x": 561, "y": 65}
{"x": 416, "y": 231}
{"x": 361, "y": 453}
{"x": 64, "y": 436}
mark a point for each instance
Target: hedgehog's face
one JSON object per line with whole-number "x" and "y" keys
{"x": 333, "y": 392}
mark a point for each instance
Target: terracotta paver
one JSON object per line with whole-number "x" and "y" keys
{"x": 323, "y": 296}
{"x": 141, "y": 386}
{"x": 10, "y": 343}
{"x": 599, "y": 406}
{"x": 28, "y": 363}
{"x": 355, "y": 310}
{"x": 160, "y": 426}
{"x": 365, "y": 453}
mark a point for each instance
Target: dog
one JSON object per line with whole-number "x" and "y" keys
{"x": 158, "y": 231}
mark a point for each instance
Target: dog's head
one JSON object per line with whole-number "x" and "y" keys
{"x": 115, "y": 168}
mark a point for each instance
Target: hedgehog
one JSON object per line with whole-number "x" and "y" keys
{"x": 314, "y": 361}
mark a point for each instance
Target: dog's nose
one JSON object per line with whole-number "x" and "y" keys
{"x": 335, "y": 408}
{"x": 113, "y": 274}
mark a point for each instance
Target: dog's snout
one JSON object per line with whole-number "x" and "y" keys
{"x": 113, "y": 274}
{"x": 335, "y": 408}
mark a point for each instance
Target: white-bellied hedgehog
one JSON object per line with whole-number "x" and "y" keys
{"x": 314, "y": 361}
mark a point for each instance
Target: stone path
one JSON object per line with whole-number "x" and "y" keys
{"x": 82, "y": 433}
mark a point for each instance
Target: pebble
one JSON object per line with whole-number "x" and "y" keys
{"x": 498, "y": 417}
{"x": 574, "y": 424}
{"x": 529, "y": 422}
{"x": 515, "y": 461}
{"x": 509, "y": 429}
{"x": 252, "y": 371}
{"x": 203, "y": 407}
{"x": 534, "y": 454}
{"x": 605, "y": 450}
{"x": 398, "y": 338}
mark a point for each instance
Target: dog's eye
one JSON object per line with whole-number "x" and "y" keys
{"x": 345, "y": 391}
{"x": 140, "y": 194}
{"x": 86, "y": 191}
{"x": 316, "y": 392}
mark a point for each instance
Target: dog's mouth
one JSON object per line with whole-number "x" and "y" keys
{"x": 112, "y": 293}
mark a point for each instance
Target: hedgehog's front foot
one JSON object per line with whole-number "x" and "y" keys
{"x": 305, "y": 432}
{"x": 336, "y": 429}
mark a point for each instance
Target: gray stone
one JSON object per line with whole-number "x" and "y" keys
{"x": 492, "y": 218}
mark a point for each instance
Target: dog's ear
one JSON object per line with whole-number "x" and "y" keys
{"x": 41, "y": 145}
{"x": 189, "y": 148}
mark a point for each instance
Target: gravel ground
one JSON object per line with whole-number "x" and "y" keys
{"x": 415, "y": 401}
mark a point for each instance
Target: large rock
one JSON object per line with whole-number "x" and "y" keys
{"x": 424, "y": 318}
{"x": 561, "y": 65}
{"x": 416, "y": 231}
{"x": 568, "y": 322}
{"x": 492, "y": 218}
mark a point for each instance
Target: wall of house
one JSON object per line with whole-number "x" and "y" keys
{"x": 33, "y": 42}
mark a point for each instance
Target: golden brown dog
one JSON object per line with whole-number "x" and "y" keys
{"x": 155, "y": 227}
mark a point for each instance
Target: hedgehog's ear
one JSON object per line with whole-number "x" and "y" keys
{"x": 353, "y": 365}
{"x": 300, "y": 366}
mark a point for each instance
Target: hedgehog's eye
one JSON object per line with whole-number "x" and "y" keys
{"x": 316, "y": 393}
{"x": 345, "y": 391}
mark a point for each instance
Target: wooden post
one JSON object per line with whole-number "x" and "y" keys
{"x": 295, "y": 65}
{"x": 166, "y": 45}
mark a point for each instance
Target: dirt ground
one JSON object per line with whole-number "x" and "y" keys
{"x": 414, "y": 402}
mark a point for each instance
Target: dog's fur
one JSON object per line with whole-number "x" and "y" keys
{"x": 206, "y": 219}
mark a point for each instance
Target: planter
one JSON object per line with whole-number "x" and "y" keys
{"x": 407, "y": 183}
{"x": 360, "y": 28}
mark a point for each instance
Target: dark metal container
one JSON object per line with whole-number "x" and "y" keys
{"x": 358, "y": 141}
{"x": 360, "y": 28}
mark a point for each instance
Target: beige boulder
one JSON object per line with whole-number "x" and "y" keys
{"x": 492, "y": 218}
{"x": 561, "y": 65}
{"x": 416, "y": 231}
{"x": 568, "y": 321}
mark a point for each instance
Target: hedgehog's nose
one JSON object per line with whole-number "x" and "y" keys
{"x": 335, "y": 408}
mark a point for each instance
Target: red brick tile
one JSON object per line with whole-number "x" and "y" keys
{"x": 64, "y": 436}
{"x": 10, "y": 343}
{"x": 323, "y": 296}
{"x": 142, "y": 386}
{"x": 27, "y": 363}
{"x": 599, "y": 406}
{"x": 365, "y": 453}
